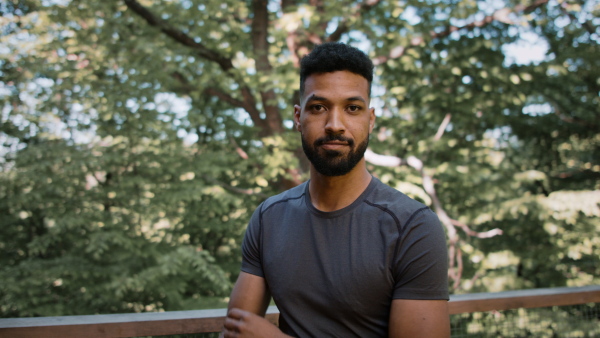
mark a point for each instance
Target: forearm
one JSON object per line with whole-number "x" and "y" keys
{"x": 244, "y": 324}
{"x": 250, "y": 294}
{"x": 247, "y": 306}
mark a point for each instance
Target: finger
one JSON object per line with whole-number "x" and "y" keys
{"x": 229, "y": 334}
{"x": 231, "y": 324}
{"x": 236, "y": 313}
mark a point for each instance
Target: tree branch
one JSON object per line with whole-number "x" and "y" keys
{"x": 233, "y": 189}
{"x": 239, "y": 150}
{"x": 260, "y": 24}
{"x": 344, "y": 25}
{"x": 468, "y": 231}
{"x": 292, "y": 46}
{"x": 428, "y": 186}
{"x": 586, "y": 24}
{"x": 185, "y": 86}
{"x": 499, "y": 15}
{"x": 569, "y": 119}
{"x": 178, "y": 36}
{"x": 224, "y": 96}
{"x": 442, "y": 127}
{"x": 260, "y": 44}
{"x": 288, "y": 6}
{"x": 248, "y": 103}
{"x": 383, "y": 160}
{"x": 454, "y": 252}
{"x": 299, "y": 41}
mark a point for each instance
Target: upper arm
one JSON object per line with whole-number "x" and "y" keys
{"x": 421, "y": 263}
{"x": 419, "y": 318}
{"x": 422, "y": 273}
{"x": 250, "y": 293}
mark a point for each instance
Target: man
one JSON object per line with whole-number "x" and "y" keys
{"x": 342, "y": 255}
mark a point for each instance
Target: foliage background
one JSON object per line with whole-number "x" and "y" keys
{"x": 137, "y": 137}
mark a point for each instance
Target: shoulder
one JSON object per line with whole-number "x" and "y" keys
{"x": 292, "y": 195}
{"x": 396, "y": 203}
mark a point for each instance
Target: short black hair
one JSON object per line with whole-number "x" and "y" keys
{"x": 335, "y": 56}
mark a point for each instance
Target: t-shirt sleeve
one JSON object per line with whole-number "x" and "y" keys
{"x": 421, "y": 269}
{"x": 251, "y": 246}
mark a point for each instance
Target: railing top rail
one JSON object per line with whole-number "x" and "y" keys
{"x": 530, "y": 298}
{"x": 197, "y": 321}
{"x": 117, "y": 318}
{"x": 542, "y": 292}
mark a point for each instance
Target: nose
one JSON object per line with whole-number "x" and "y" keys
{"x": 335, "y": 122}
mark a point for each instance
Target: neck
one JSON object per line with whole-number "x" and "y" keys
{"x": 330, "y": 193}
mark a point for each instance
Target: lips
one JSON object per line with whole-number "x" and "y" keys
{"x": 334, "y": 141}
{"x": 334, "y": 145}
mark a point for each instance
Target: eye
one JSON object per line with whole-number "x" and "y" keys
{"x": 354, "y": 108}
{"x": 317, "y": 108}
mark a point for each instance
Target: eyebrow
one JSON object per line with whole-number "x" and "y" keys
{"x": 314, "y": 97}
{"x": 357, "y": 98}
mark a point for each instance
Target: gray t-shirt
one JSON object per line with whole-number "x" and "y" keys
{"x": 334, "y": 274}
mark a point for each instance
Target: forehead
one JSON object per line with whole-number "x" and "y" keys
{"x": 338, "y": 84}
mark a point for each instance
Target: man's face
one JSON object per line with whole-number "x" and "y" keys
{"x": 335, "y": 121}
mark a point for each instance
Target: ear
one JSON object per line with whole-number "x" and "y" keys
{"x": 297, "y": 110}
{"x": 371, "y": 119}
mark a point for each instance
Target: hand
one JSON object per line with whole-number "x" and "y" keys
{"x": 240, "y": 323}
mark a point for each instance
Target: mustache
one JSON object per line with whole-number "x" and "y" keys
{"x": 333, "y": 137}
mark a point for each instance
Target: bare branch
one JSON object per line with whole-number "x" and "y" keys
{"x": 224, "y": 96}
{"x": 239, "y": 150}
{"x": 442, "y": 127}
{"x": 383, "y": 160}
{"x": 454, "y": 253}
{"x": 232, "y": 188}
{"x": 290, "y": 40}
{"x": 226, "y": 64}
{"x": 296, "y": 177}
{"x": 428, "y": 186}
{"x": 292, "y": 46}
{"x": 178, "y": 36}
{"x": 459, "y": 268}
{"x": 452, "y": 274}
{"x": 344, "y": 25}
{"x": 468, "y": 231}
{"x": 248, "y": 104}
{"x": 397, "y": 51}
{"x": 499, "y": 15}
{"x": 569, "y": 119}
{"x": 314, "y": 38}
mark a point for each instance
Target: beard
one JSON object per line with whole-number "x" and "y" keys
{"x": 333, "y": 162}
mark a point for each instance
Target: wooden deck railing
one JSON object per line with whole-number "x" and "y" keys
{"x": 202, "y": 321}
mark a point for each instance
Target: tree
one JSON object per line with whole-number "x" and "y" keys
{"x": 139, "y": 136}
